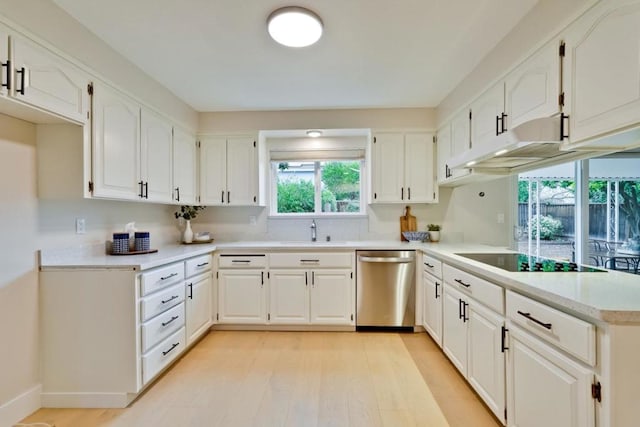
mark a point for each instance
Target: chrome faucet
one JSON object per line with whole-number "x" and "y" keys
{"x": 313, "y": 230}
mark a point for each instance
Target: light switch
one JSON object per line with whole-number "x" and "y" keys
{"x": 500, "y": 218}
{"x": 80, "y": 226}
{"x": 252, "y": 220}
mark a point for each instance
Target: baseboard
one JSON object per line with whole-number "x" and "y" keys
{"x": 272, "y": 327}
{"x": 21, "y": 406}
{"x": 86, "y": 400}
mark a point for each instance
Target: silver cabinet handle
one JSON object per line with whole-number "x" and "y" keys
{"x": 397, "y": 260}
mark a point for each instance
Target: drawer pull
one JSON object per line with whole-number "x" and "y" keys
{"x": 466, "y": 285}
{"x": 164, "y": 353}
{"x": 202, "y": 265}
{"x": 503, "y": 339}
{"x": 533, "y": 319}
{"x": 241, "y": 260}
{"x": 169, "y": 276}
{"x": 309, "y": 260}
{"x": 164, "y": 301}
{"x": 169, "y": 321}
{"x": 428, "y": 265}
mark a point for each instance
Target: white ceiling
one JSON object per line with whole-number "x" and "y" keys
{"x": 216, "y": 55}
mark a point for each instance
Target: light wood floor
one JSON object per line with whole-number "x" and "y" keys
{"x": 301, "y": 379}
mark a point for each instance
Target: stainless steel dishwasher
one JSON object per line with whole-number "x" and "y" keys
{"x": 385, "y": 289}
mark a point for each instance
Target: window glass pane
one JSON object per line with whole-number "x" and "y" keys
{"x": 614, "y": 211}
{"x": 546, "y": 212}
{"x": 295, "y": 187}
{"x": 340, "y": 186}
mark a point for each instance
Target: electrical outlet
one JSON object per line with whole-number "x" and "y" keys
{"x": 500, "y": 218}
{"x": 80, "y": 226}
{"x": 252, "y": 220}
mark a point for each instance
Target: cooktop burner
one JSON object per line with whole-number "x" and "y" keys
{"x": 524, "y": 262}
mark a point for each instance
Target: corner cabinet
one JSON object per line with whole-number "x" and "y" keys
{"x": 403, "y": 168}
{"x": 603, "y": 74}
{"x": 228, "y": 171}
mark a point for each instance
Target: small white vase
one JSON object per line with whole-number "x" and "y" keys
{"x": 187, "y": 237}
{"x": 434, "y": 236}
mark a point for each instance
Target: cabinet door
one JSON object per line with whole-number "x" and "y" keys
{"x": 116, "y": 145}
{"x": 387, "y": 170}
{"x": 184, "y": 167}
{"x": 533, "y": 88}
{"x": 419, "y": 166}
{"x": 241, "y": 296}
{"x": 198, "y": 301}
{"x": 332, "y": 297}
{"x": 485, "y": 110}
{"x": 544, "y": 387}
{"x": 602, "y": 69}
{"x": 454, "y": 328}
{"x": 242, "y": 171}
{"x": 4, "y": 57}
{"x": 289, "y": 302}
{"x": 432, "y": 307}
{"x": 486, "y": 367}
{"x": 444, "y": 151}
{"x": 49, "y": 82}
{"x": 460, "y": 139}
{"x": 156, "y": 148}
{"x": 213, "y": 171}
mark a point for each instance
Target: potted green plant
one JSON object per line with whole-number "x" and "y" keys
{"x": 188, "y": 213}
{"x": 434, "y": 232}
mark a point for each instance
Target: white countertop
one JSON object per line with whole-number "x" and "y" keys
{"x": 611, "y": 297}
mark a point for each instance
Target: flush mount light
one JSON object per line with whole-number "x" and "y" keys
{"x": 471, "y": 163}
{"x": 501, "y": 152}
{"x": 314, "y": 133}
{"x": 294, "y": 26}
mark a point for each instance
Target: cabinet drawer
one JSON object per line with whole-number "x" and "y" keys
{"x": 163, "y": 354}
{"x": 311, "y": 259}
{"x": 160, "y": 327}
{"x": 432, "y": 265}
{"x": 481, "y": 290}
{"x": 198, "y": 265}
{"x": 161, "y": 301}
{"x": 242, "y": 261}
{"x": 569, "y": 333}
{"x": 160, "y": 278}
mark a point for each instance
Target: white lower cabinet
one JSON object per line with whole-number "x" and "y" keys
{"x": 473, "y": 339}
{"x": 241, "y": 296}
{"x": 547, "y": 384}
{"x": 289, "y": 291}
{"x": 545, "y": 387}
{"x": 198, "y": 306}
{"x": 332, "y": 297}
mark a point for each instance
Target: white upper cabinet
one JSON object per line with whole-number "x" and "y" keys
{"x": 116, "y": 145}
{"x": 184, "y": 167}
{"x": 443, "y": 147}
{"x": 403, "y": 168}
{"x": 487, "y": 116}
{"x": 602, "y": 73}
{"x": 44, "y": 80}
{"x": 228, "y": 171}
{"x": 156, "y": 157}
{"x": 242, "y": 171}
{"x": 533, "y": 88}
{"x": 5, "y": 71}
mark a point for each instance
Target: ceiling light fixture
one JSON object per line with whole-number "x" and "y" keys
{"x": 501, "y": 152}
{"x": 294, "y": 26}
{"x": 314, "y": 133}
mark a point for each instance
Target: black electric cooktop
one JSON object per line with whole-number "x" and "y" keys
{"x": 524, "y": 262}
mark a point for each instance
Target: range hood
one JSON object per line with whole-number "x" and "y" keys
{"x": 532, "y": 144}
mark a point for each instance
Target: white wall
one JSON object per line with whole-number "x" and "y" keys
{"x": 57, "y": 29}
{"x": 18, "y": 263}
{"x": 382, "y": 118}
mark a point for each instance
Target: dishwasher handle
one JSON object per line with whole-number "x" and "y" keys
{"x": 393, "y": 260}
